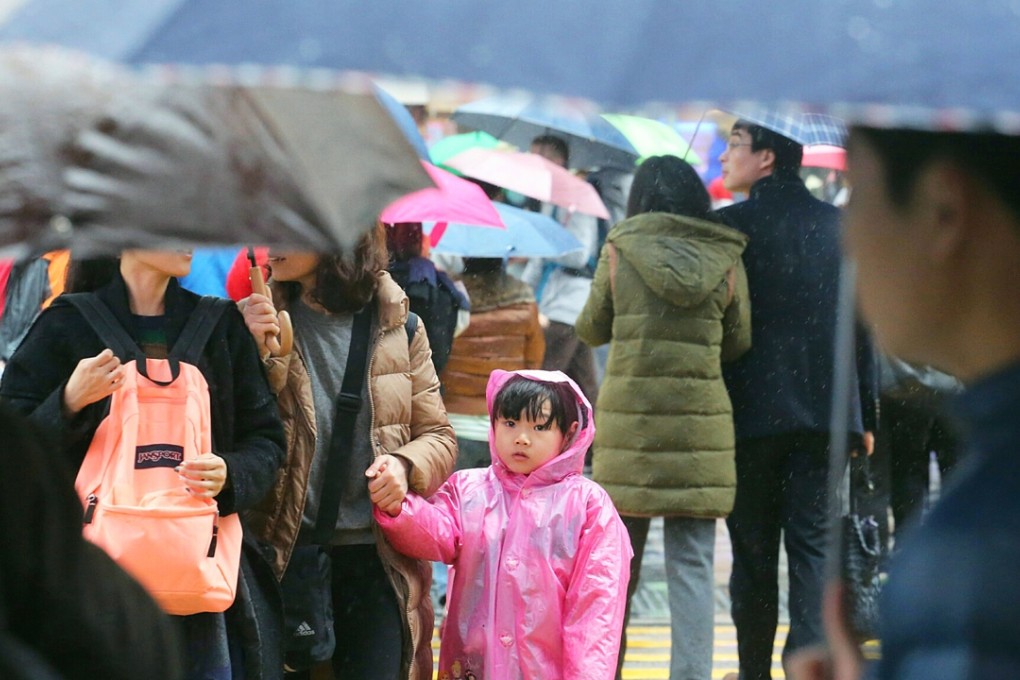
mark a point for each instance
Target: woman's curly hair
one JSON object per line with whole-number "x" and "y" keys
{"x": 345, "y": 282}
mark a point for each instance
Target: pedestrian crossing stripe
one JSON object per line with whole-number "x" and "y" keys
{"x": 648, "y": 652}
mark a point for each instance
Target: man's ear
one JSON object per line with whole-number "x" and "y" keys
{"x": 766, "y": 161}
{"x": 944, "y": 198}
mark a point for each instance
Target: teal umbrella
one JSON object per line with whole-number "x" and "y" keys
{"x": 652, "y": 138}
{"x": 448, "y": 147}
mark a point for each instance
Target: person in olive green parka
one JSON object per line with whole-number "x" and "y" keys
{"x": 670, "y": 296}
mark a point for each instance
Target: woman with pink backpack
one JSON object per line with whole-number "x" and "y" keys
{"x": 63, "y": 377}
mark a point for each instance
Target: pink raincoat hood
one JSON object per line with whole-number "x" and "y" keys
{"x": 540, "y": 563}
{"x": 572, "y": 458}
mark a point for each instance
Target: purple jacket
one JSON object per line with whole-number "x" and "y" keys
{"x": 540, "y": 563}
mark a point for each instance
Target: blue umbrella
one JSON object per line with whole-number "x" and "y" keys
{"x": 518, "y": 118}
{"x": 888, "y": 62}
{"x": 404, "y": 120}
{"x": 527, "y": 234}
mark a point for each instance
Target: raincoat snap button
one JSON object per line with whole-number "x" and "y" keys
{"x": 506, "y": 639}
{"x": 511, "y": 563}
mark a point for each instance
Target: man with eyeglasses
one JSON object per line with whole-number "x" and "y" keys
{"x": 782, "y": 392}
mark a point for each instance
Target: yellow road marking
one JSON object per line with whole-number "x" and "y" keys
{"x": 643, "y": 641}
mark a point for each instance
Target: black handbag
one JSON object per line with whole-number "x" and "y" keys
{"x": 307, "y": 584}
{"x": 915, "y": 383}
{"x": 308, "y": 608}
{"x": 861, "y": 552}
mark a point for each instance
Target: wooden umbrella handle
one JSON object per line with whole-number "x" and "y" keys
{"x": 286, "y": 337}
{"x": 278, "y": 345}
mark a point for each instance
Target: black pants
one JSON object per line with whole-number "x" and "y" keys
{"x": 781, "y": 488}
{"x": 366, "y": 614}
{"x": 472, "y": 454}
{"x": 908, "y": 434}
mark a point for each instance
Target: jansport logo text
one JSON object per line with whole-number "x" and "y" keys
{"x": 158, "y": 455}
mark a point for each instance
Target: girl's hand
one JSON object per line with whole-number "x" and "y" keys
{"x": 204, "y": 476}
{"x": 389, "y": 483}
{"x": 93, "y": 379}
{"x": 260, "y": 317}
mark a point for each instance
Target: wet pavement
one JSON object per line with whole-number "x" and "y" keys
{"x": 648, "y": 635}
{"x": 650, "y": 602}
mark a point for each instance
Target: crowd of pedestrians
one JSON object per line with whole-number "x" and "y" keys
{"x": 427, "y": 418}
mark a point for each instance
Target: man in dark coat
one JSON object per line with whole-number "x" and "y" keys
{"x": 934, "y": 226}
{"x": 782, "y": 393}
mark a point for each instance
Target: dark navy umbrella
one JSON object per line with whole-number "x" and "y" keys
{"x": 888, "y": 62}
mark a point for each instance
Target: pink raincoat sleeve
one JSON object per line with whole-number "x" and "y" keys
{"x": 597, "y": 596}
{"x": 426, "y": 530}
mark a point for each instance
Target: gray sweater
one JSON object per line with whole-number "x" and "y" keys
{"x": 324, "y": 341}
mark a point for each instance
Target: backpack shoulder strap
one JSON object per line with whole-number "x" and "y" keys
{"x": 110, "y": 331}
{"x": 198, "y": 328}
{"x": 410, "y": 326}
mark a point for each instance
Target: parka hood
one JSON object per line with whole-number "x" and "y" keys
{"x": 681, "y": 259}
{"x": 572, "y": 459}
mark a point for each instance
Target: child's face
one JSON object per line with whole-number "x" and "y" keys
{"x": 525, "y": 445}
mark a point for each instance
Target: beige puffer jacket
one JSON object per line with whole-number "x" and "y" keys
{"x": 408, "y": 419}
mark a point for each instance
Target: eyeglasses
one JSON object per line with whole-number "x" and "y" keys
{"x": 730, "y": 146}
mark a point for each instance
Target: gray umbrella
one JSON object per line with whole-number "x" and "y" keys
{"x": 229, "y": 165}
{"x": 46, "y": 97}
{"x": 518, "y": 117}
{"x": 94, "y": 160}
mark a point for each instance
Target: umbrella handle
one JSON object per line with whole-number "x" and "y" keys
{"x": 278, "y": 345}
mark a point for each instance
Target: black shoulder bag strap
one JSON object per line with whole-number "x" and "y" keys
{"x": 110, "y": 331}
{"x": 348, "y": 404}
{"x": 410, "y": 326}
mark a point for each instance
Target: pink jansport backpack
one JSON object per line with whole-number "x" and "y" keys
{"x": 136, "y": 506}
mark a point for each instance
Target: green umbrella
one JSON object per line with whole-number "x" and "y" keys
{"x": 652, "y": 138}
{"x": 448, "y": 147}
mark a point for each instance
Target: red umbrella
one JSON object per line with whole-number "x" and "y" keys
{"x": 452, "y": 200}
{"x": 824, "y": 156}
{"x": 531, "y": 175}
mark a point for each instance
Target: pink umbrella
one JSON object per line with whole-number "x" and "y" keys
{"x": 531, "y": 175}
{"x": 824, "y": 156}
{"x": 452, "y": 200}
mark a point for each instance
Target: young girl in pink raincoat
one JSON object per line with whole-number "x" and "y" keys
{"x": 539, "y": 558}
